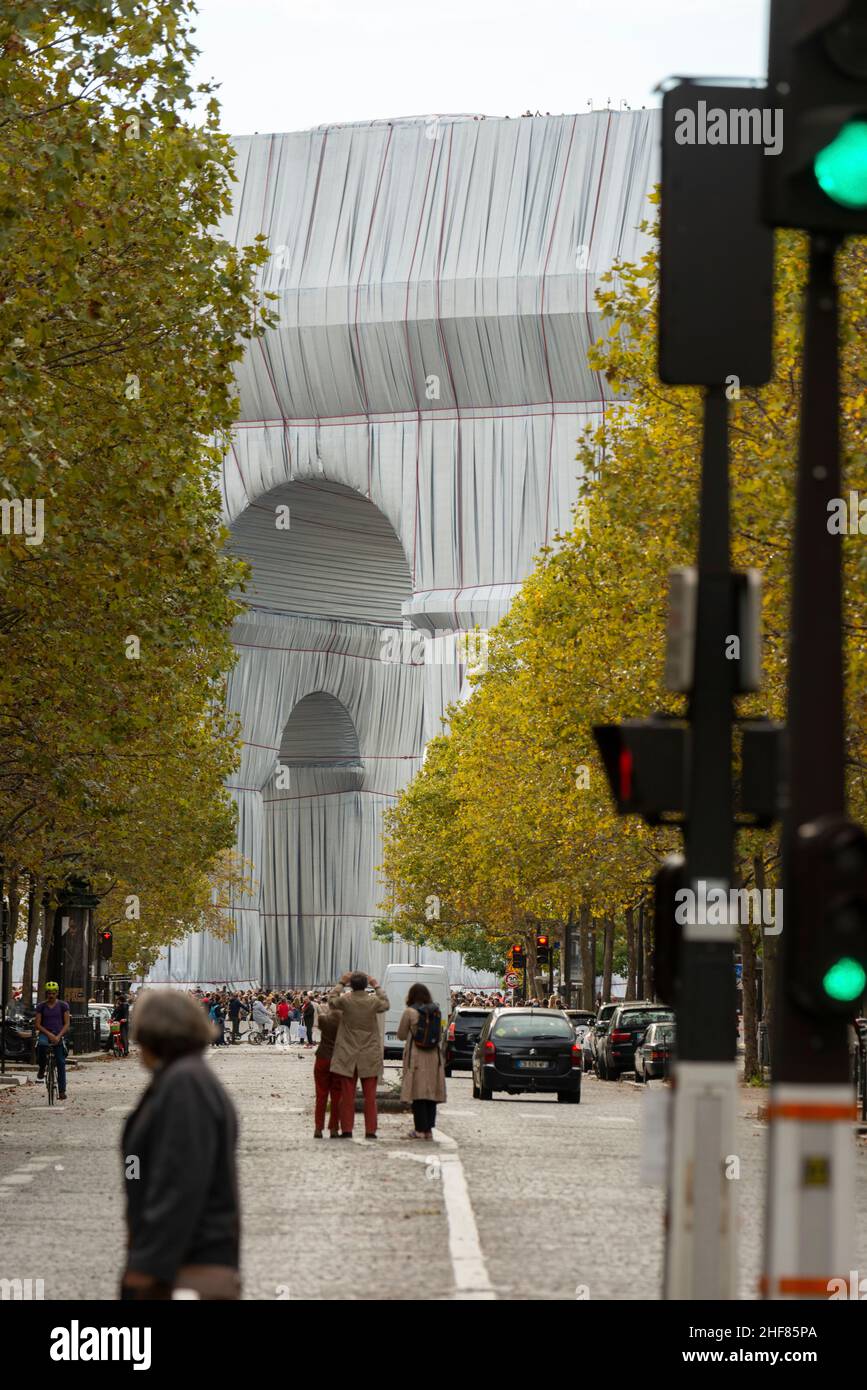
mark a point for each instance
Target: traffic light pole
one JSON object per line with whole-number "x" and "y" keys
{"x": 700, "y": 1228}
{"x": 811, "y": 1159}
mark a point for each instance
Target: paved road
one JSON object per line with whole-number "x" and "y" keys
{"x": 524, "y": 1199}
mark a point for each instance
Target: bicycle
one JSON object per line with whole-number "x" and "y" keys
{"x": 115, "y": 1039}
{"x": 51, "y": 1076}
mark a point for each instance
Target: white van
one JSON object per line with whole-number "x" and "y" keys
{"x": 396, "y": 984}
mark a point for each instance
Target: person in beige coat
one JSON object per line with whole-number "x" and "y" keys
{"x": 424, "y": 1080}
{"x": 358, "y": 1047}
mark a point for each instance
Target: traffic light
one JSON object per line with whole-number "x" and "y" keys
{"x": 829, "y": 959}
{"x": 645, "y": 762}
{"x": 543, "y": 950}
{"x": 105, "y": 943}
{"x": 518, "y": 960}
{"x": 710, "y": 216}
{"x": 817, "y": 76}
{"x": 666, "y": 931}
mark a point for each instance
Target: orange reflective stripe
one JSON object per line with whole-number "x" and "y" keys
{"x": 796, "y": 1284}
{"x": 818, "y": 1113}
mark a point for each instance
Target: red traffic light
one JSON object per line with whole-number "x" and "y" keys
{"x": 105, "y": 944}
{"x": 625, "y": 764}
{"x": 541, "y": 941}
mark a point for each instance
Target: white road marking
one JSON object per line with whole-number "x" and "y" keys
{"x": 468, "y": 1262}
{"x": 17, "y": 1179}
{"x": 459, "y": 1114}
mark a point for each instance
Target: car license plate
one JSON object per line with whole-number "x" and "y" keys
{"x": 532, "y": 1066}
{"x": 392, "y": 1035}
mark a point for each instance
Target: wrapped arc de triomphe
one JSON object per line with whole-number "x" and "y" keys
{"x": 405, "y": 445}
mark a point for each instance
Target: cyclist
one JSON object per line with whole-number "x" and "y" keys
{"x": 52, "y": 1025}
{"x": 120, "y": 1014}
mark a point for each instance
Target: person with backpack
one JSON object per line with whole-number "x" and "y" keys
{"x": 424, "y": 1081}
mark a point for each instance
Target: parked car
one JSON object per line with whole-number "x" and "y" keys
{"x": 527, "y": 1049}
{"x": 596, "y": 1031}
{"x": 581, "y": 1020}
{"x": 653, "y": 1055}
{"x": 628, "y": 1023}
{"x": 465, "y": 1026}
{"x": 102, "y": 1014}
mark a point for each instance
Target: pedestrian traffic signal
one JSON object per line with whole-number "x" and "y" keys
{"x": 517, "y": 955}
{"x": 105, "y": 944}
{"x": 645, "y": 761}
{"x": 817, "y": 75}
{"x": 830, "y": 917}
{"x": 543, "y": 950}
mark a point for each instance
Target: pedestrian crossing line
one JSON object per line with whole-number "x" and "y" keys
{"x": 468, "y": 1262}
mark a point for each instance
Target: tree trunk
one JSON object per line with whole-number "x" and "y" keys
{"x": 646, "y": 951}
{"x": 34, "y": 913}
{"x": 593, "y": 955}
{"x": 48, "y": 916}
{"x": 769, "y": 963}
{"x": 631, "y": 963}
{"x": 748, "y": 980}
{"x": 607, "y": 959}
{"x": 12, "y": 930}
{"x": 587, "y": 965}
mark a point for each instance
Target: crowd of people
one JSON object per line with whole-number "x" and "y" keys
{"x": 287, "y": 1016}
{"x": 503, "y": 999}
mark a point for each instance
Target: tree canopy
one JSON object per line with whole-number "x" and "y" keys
{"x": 122, "y": 312}
{"x": 509, "y": 818}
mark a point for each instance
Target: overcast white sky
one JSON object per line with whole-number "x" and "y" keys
{"x": 292, "y": 64}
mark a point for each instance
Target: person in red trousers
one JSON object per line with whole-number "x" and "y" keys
{"x": 358, "y": 1048}
{"x": 326, "y": 1082}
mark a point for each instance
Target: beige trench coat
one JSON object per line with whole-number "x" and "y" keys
{"x": 359, "y": 1042}
{"x": 423, "y": 1074}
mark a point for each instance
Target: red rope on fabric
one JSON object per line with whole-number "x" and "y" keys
{"x": 382, "y": 164}
{"x": 433, "y": 144}
{"x": 443, "y": 344}
{"x": 542, "y": 318}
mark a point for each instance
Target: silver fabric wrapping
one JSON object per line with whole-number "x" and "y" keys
{"x": 405, "y": 445}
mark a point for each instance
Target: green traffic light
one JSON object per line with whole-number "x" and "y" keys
{"x": 846, "y": 980}
{"x": 841, "y": 167}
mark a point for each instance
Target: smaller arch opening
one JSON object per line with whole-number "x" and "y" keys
{"x": 318, "y": 751}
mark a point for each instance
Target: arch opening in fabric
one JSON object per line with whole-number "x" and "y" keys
{"x": 321, "y": 549}
{"x": 318, "y": 751}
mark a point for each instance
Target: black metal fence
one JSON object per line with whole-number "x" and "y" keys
{"x": 83, "y": 1034}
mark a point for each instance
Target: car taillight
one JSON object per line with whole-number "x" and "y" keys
{"x": 620, "y": 1037}
{"x": 657, "y": 1055}
{"x": 576, "y": 1054}
{"x": 490, "y": 1051}
{"x": 451, "y": 1032}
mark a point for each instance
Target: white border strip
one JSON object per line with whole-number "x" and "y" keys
{"x": 468, "y": 1262}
